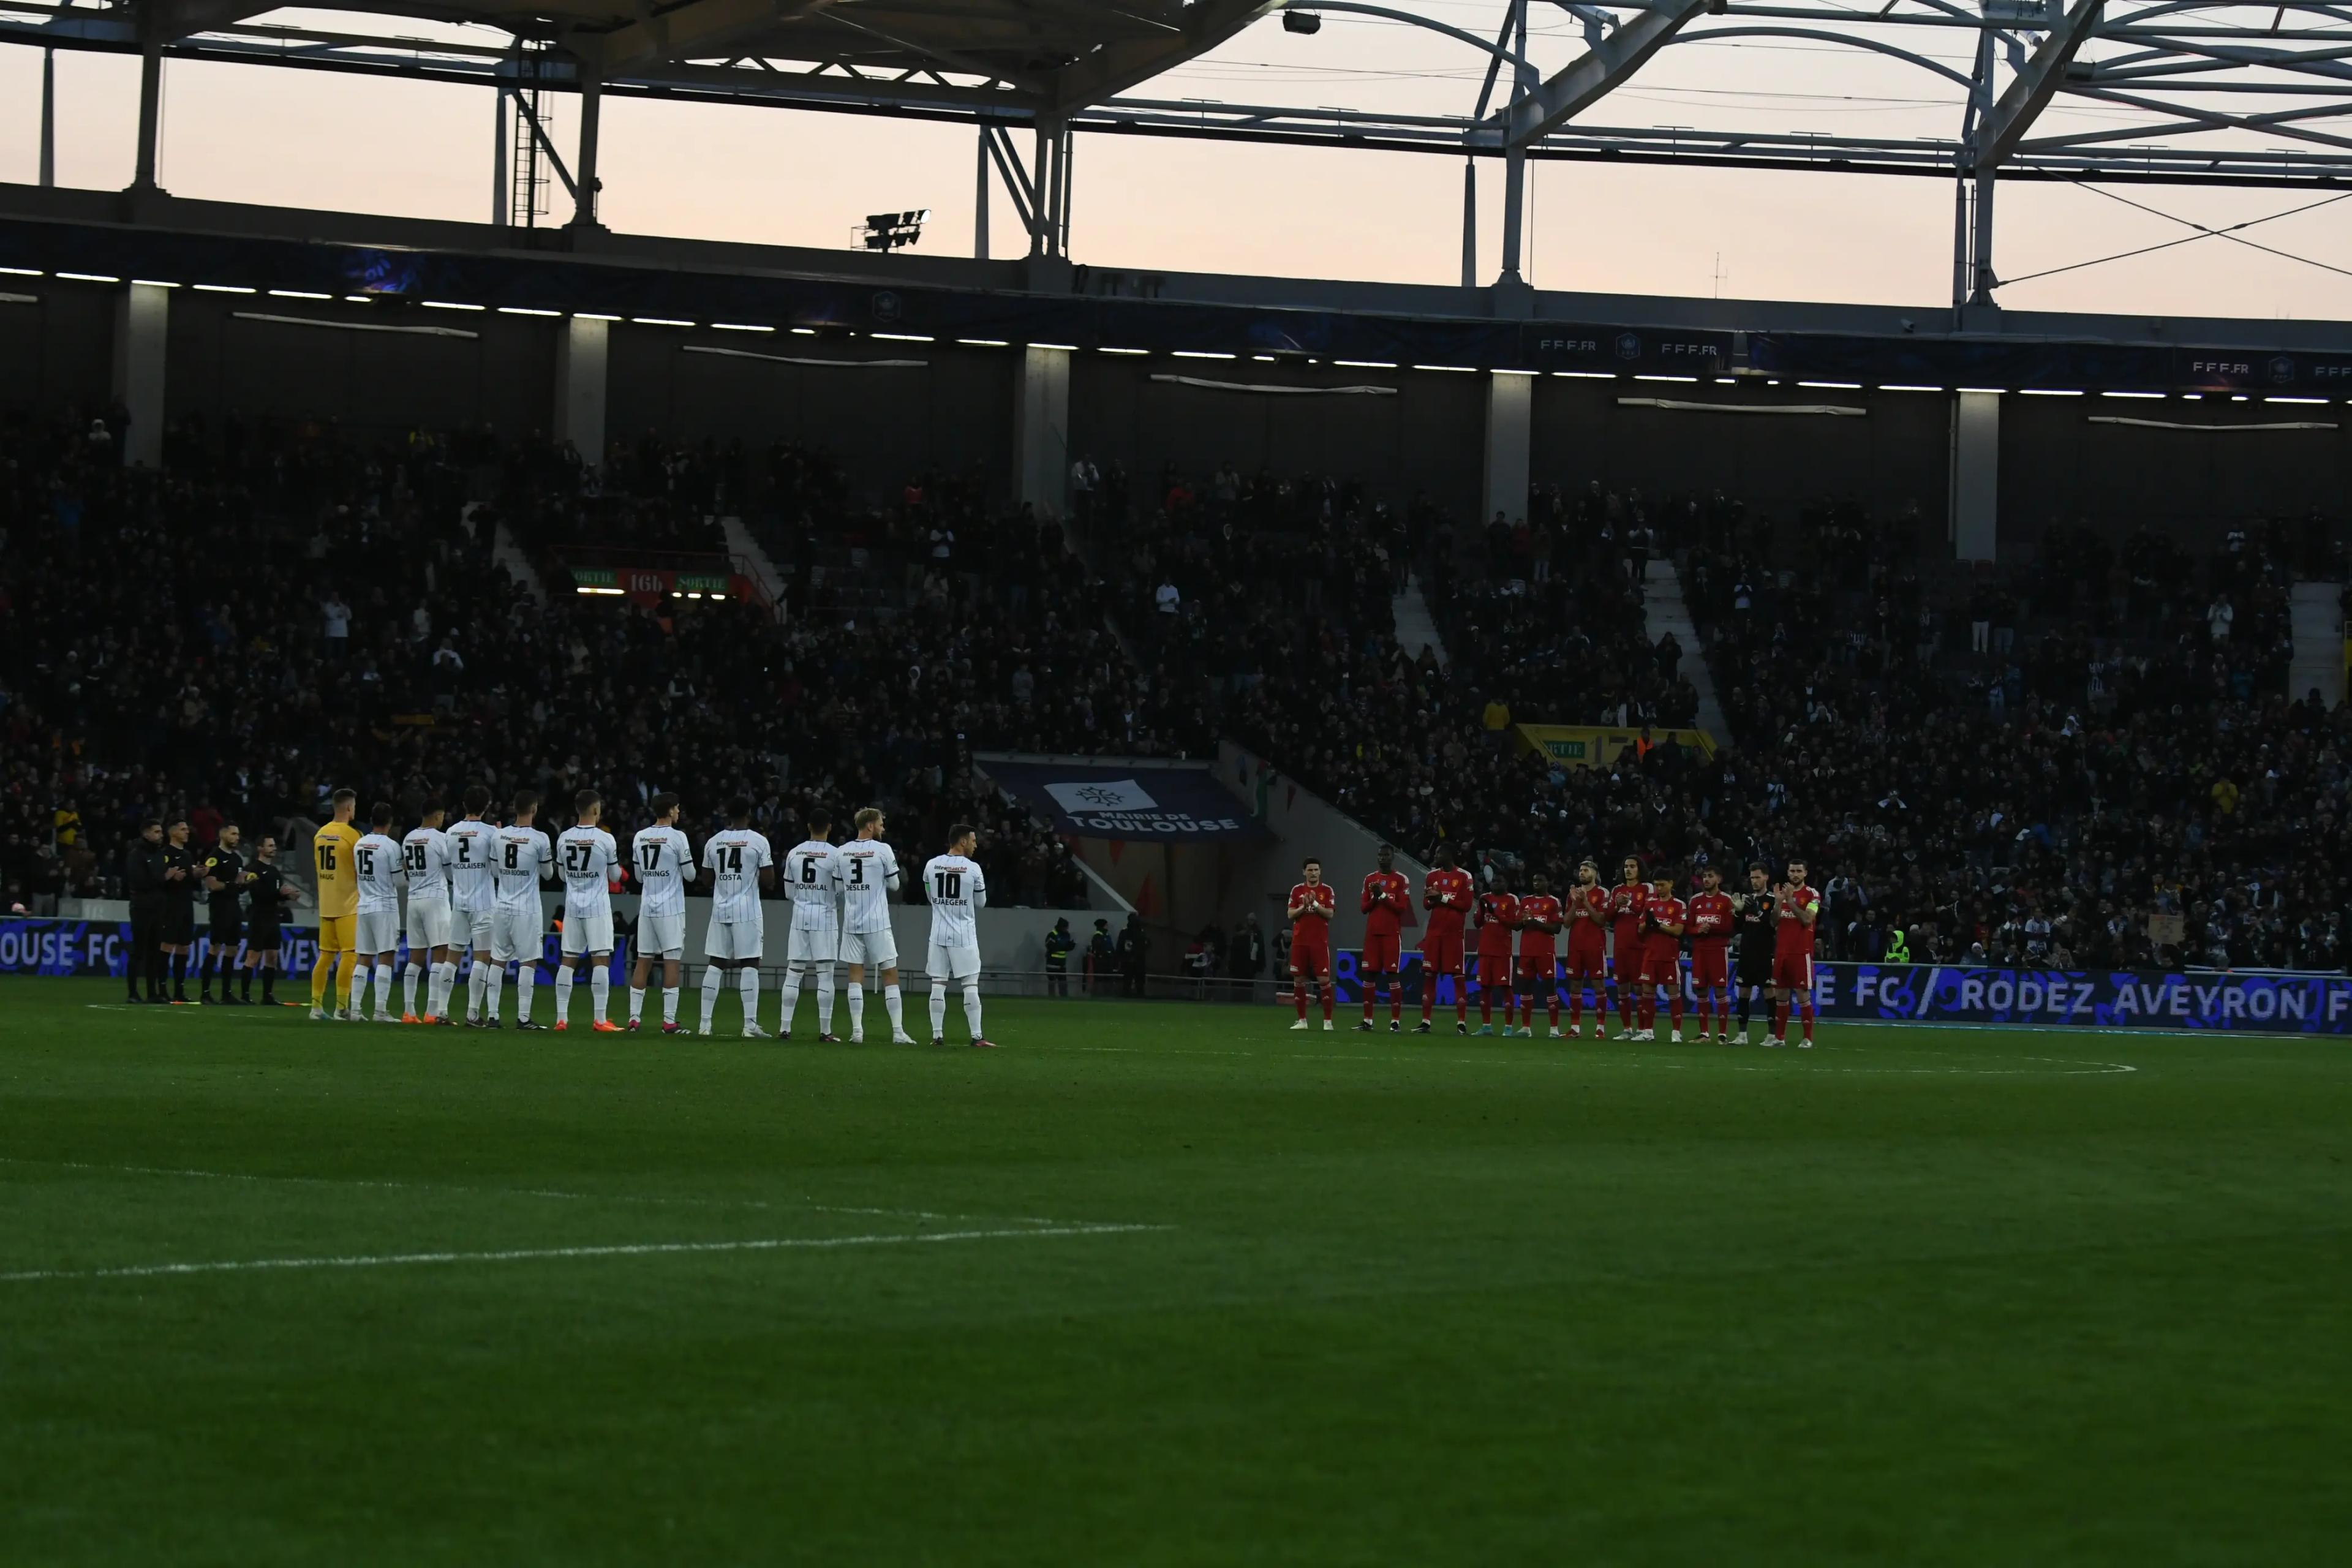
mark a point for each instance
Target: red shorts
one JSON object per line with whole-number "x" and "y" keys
{"x": 1538, "y": 972}
{"x": 1588, "y": 955}
{"x": 1382, "y": 954}
{"x": 1310, "y": 956}
{"x": 1629, "y": 954}
{"x": 1494, "y": 968}
{"x": 1441, "y": 951}
{"x": 1662, "y": 964}
{"x": 1793, "y": 971}
{"x": 1710, "y": 963}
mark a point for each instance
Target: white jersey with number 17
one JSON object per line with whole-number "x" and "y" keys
{"x": 958, "y": 892}
{"x": 661, "y": 856}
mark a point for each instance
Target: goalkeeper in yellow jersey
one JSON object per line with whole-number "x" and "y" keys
{"x": 338, "y": 892}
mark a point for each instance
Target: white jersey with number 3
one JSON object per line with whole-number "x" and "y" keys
{"x": 958, "y": 892}
{"x": 813, "y": 877}
{"x": 868, "y": 873}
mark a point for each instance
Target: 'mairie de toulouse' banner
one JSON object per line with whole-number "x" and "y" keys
{"x": 103, "y": 947}
{"x": 1127, "y": 801}
{"x": 2110, "y": 999}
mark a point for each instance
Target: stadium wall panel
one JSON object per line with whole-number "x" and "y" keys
{"x": 57, "y": 350}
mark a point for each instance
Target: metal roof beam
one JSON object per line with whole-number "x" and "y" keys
{"x": 699, "y": 27}
{"x": 1113, "y": 69}
{"x": 2031, "y": 88}
{"x": 1596, "y": 73}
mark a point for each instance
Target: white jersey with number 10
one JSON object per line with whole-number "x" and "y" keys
{"x": 957, "y": 891}
{"x": 735, "y": 859}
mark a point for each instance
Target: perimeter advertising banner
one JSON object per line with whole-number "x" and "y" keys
{"x": 29, "y": 946}
{"x": 1128, "y": 801}
{"x": 1600, "y": 745}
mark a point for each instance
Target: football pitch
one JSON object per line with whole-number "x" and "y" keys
{"x": 1164, "y": 1284}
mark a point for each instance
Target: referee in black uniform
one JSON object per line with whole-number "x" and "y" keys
{"x": 182, "y": 879}
{"x": 1752, "y": 920}
{"x": 143, "y": 878}
{"x": 264, "y": 922}
{"x": 226, "y": 879}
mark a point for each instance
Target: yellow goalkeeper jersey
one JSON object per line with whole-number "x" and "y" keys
{"x": 339, "y": 881}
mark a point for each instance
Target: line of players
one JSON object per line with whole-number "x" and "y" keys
{"x": 1627, "y": 939}
{"x": 476, "y": 885}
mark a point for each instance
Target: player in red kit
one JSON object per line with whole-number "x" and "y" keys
{"x": 1498, "y": 917}
{"x": 1586, "y": 910}
{"x": 1540, "y": 920}
{"x": 1708, "y": 922}
{"x": 1795, "y": 906}
{"x": 1662, "y": 919}
{"x": 1448, "y": 893}
{"x": 1388, "y": 895}
{"x": 1312, "y": 905}
{"x": 1626, "y": 901}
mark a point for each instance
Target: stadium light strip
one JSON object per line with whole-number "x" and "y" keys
{"x": 1106, "y": 350}
{"x": 2157, "y": 394}
{"x": 449, "y": 305}
{"x": 739, "y": 327}
{"x": 297, "y": 294}
{"x": 901, "y": 337}
{"x": 804, "y": 331}
{"x": 1065, "y": 347}
{"x": 1589, "y": 374}
{"x": 1894, "y": 388}
{"x": 615, "y": 591}
{"x": 23, "y": 271}
{"x": 1458, "y": 369}
{"x": 525, "y": 311}
{"x": 1200, "y": 354}
{"x": 1995, "y": 391}
{"x": 358, "y": 298}
{"x": 2047, "y": 392}
{"x": 1834, "y": 385}
{"x": 1363, "y": 364}
{"x": 1506, "y": 370}
{"x": 218, "y": 288}
{"x": 97, "y": 278}
{"x": 984, "y": 342}
{"x": 658, "y": 322}
{"x": 154, "y": 283}
{"x": 1682, "y": 378}
{"x": 2294, "y": 400}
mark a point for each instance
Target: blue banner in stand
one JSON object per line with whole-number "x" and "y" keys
{"x": 2040, "y": 998}
{"x": 1130, "y": 801}
{"x": 30, "y": 946}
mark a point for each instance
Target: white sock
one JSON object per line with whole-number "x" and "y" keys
{"x": 477, "y": 986}
{"x": 600, "y": 992}
{"x": 971, "y": 1007}
{"x": 445, "y": 975}
{"x": 938, "y": 1011}
{"x": 890, "y": 1000}
{"x": 636, "y": 1003}
{"x": 384, "y": 989}
{"x": 669, "y": 1003}
{"x": 793, "y": 973}
{"x": 493, "y": 978}
{"x": 824, "y": 1000}
{"x": 408, "y": 979}
{"x": 748, "y": 979}
{"x": 526, "y": 976}
{"x": 857, "y": 1008}
{"x": 358, "y": 991}
{"x": 563, "y": 994}
{"x": 710, "y": 992}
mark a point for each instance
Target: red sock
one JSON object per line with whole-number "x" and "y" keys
{"x": 1779, "y": 1020}
{"x": 1808, "y": 1017}
{"x": 1299, "y": 994}
{"x": 1552, "y": 1009}
{"x": 1676, "y": 1007}
{"x": 1461, "y": 1000}
{"x": 1485, "y": 1006}
{"x": 1327, "y": 988}
{"x": 1649, "y": 1011}
{"x": 1428, "y": 998}
{"x": 1575, "y": 1010}
{"x": 1396, "y": 998}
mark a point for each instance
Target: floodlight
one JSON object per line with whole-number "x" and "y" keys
{"x": 1301, "y": 22}
{"x": 890, "y": 231}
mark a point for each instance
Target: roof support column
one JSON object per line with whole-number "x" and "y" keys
{"x": 1981, "y": 276}
{"x": 1515, "y": 195}
{"x": 582, "y": 353}
{"x": 1042, "y": 177}
{"x": 1469, "y": 222}
{"x": 500, "y": 139}
{"x": 980, "y": 203}
{"x": 1040, "y": 431}
{"x": 150, "y": 113}
{"x": 142, "y": 318}
{"x": 48, "y": 117}
{"x": 1974, "y": 492}
{"x": 1511, "y": 421}
{"x": 586, "y": 185}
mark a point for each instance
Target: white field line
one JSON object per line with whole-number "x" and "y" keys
{"x": 810, "y": 1207}
{"x": 2066, "y": 1067}
{"x": 527, "y": 1255}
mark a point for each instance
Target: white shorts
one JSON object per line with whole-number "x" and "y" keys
{"x": 817, "y": 946}
{"x": 428, "y": 924}
{"x": 377, "y": 933}
{"x": 952, "y": 963}
{"x": 733, "y": 939}
{"x": 587, "y": 933}
{"x": 661, "y": 936}
{"x": 477, "y": 928}
{"x": 518, "y": 934}
{"x": 873, "y": 949}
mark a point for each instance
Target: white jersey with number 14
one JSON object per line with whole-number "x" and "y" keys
{"x": 735, "y": 859}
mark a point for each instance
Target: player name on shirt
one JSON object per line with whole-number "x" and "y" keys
{"x": 424, "y": 857}
{"x": 519, "y": 857}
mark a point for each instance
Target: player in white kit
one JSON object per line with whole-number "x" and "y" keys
{"x": 376, "y": 860}
{"x": 812, "y": 883}
{"x": 661, "y": 860}
{"x": 425, "y": 860}
{"x": 869, "y": 875}
{"x": 588, "y": 859}
{"x": 958, "y": 893}
{"x": 520, "y": 858}
{"x": 741, "y": 867}
{"x": 470, "y": 894}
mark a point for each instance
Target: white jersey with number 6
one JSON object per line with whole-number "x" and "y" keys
{"x": 957, "y": 891}
{"x": 870, "y": 871}
{"x": 735, "y": 859}
{"x": 813, "y": 877}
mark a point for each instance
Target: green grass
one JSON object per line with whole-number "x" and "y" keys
{"x": 1915, "y": 1296}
